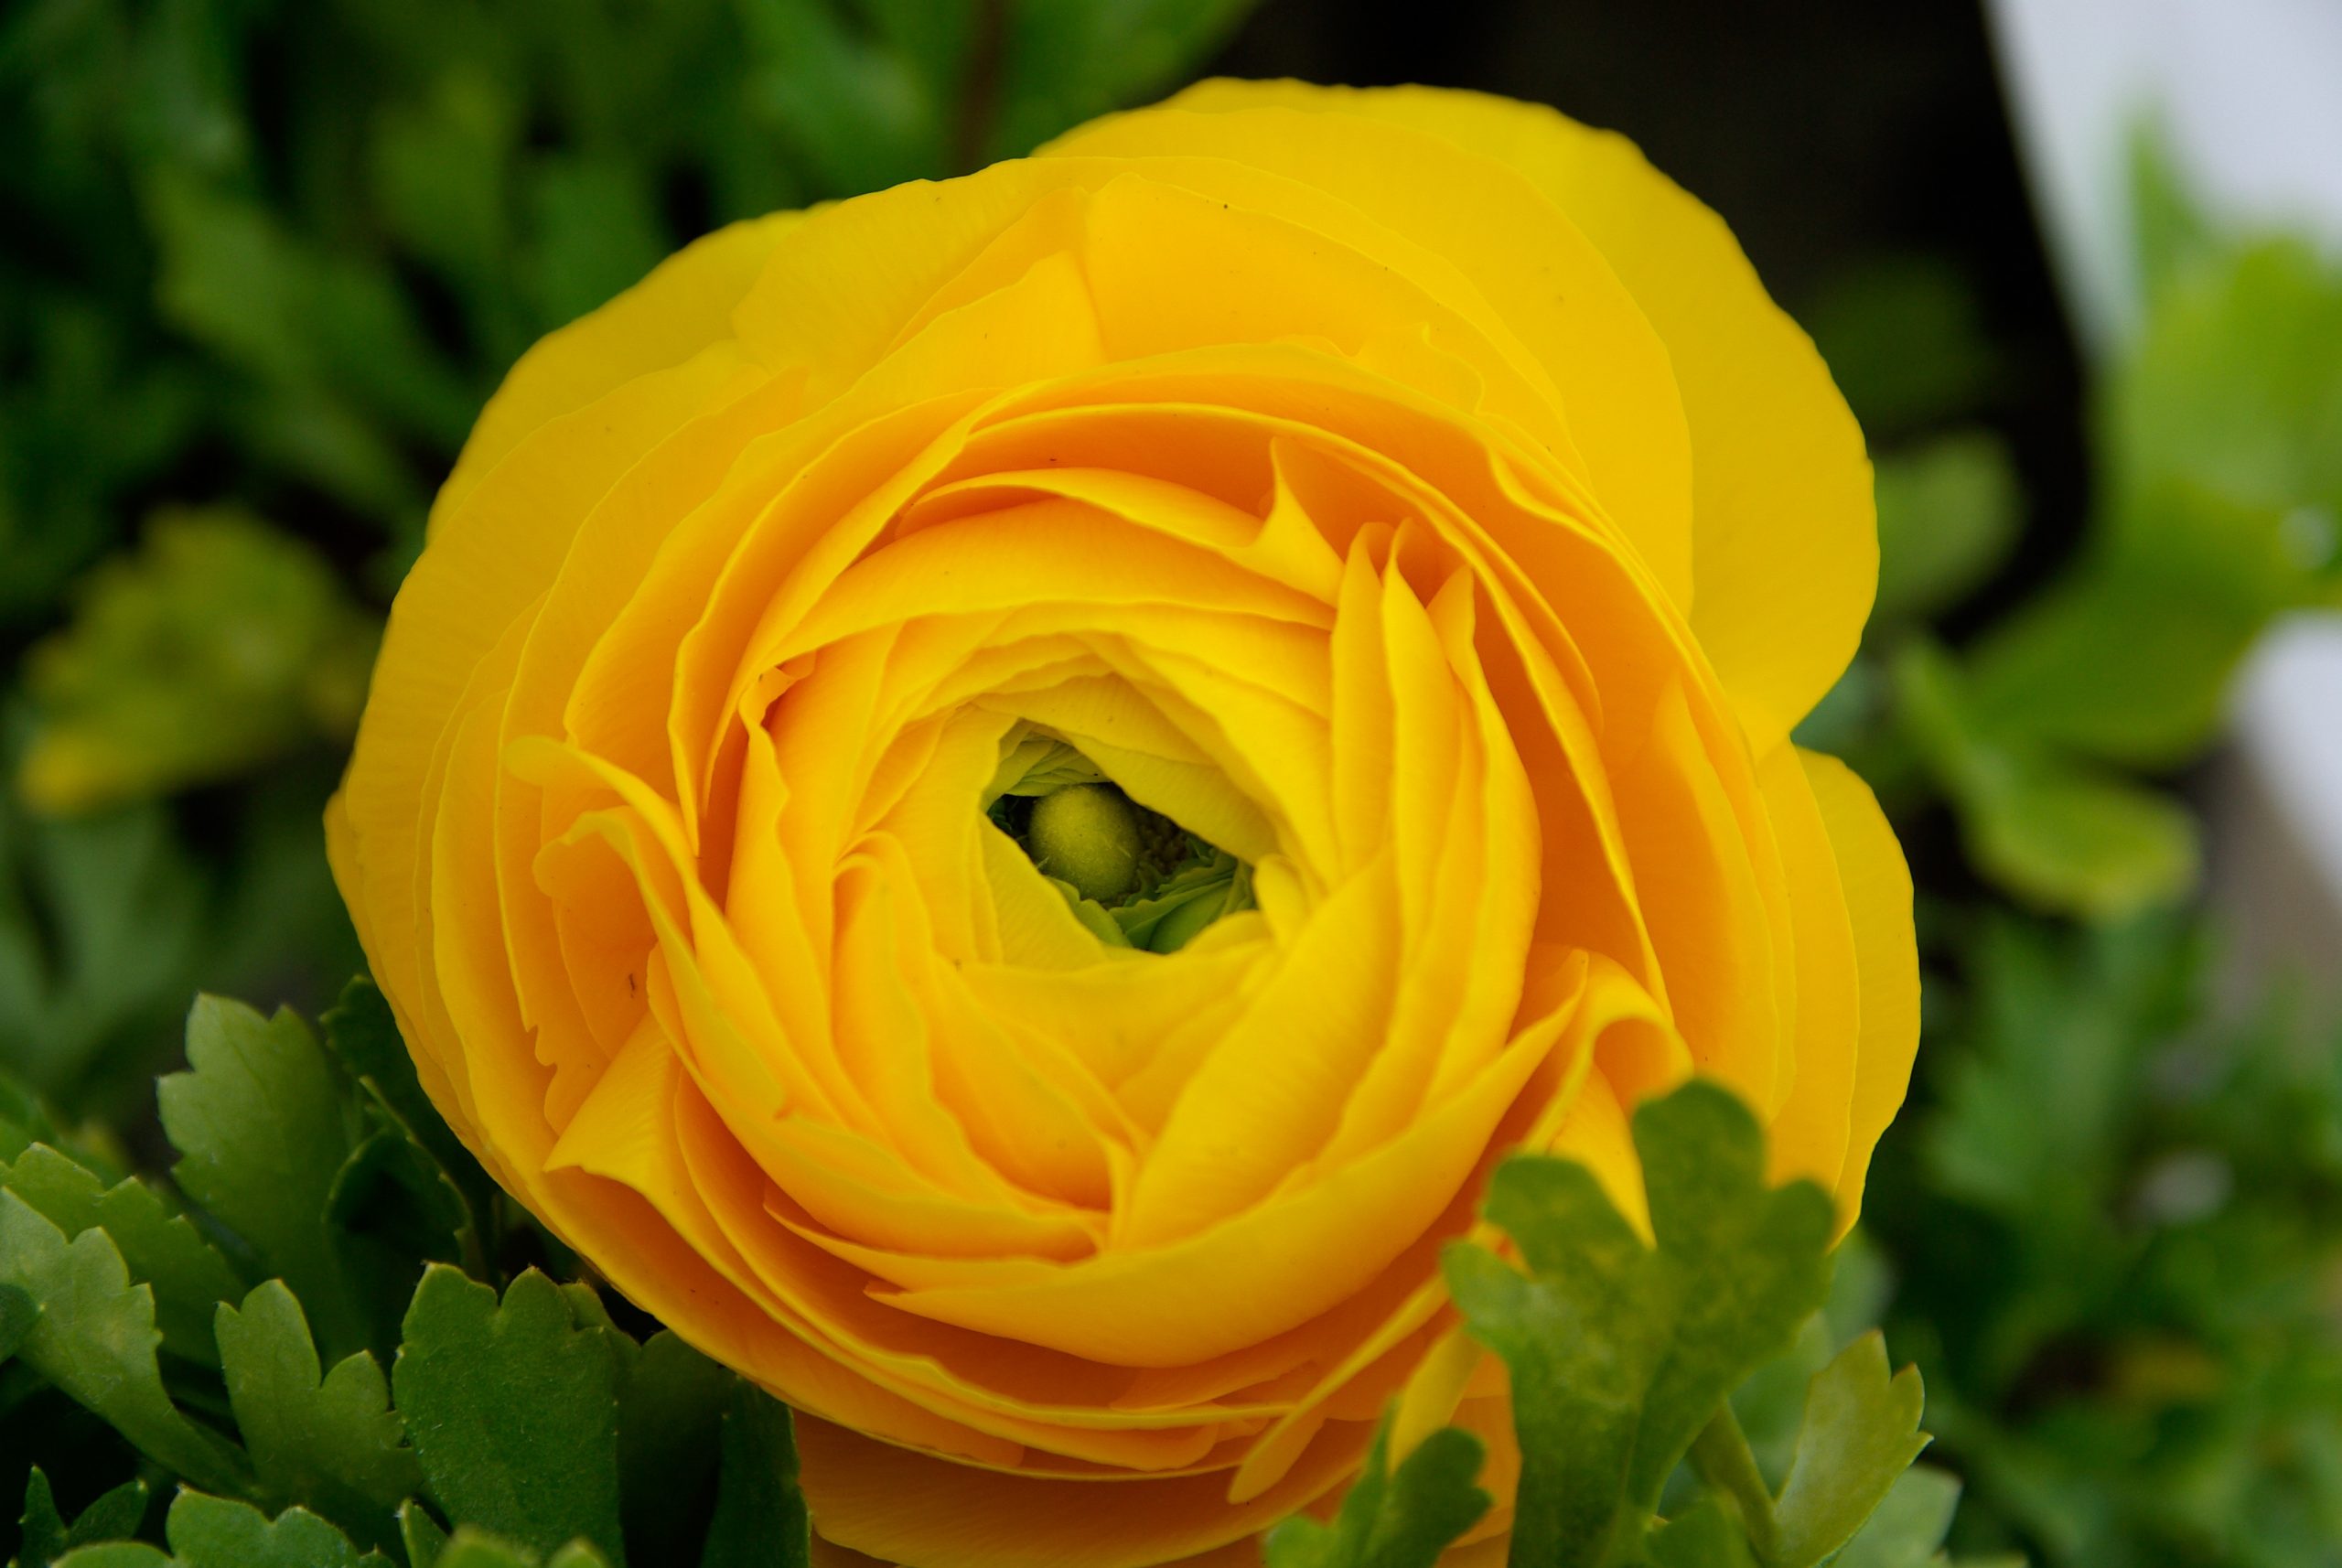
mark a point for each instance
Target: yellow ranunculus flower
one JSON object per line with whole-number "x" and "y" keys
{"x": 1410, "y": 496}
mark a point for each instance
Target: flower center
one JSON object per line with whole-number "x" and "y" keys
{"x": 1134, "y": 876}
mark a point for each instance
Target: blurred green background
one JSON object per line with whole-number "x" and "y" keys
{"x": 265, "y": 262}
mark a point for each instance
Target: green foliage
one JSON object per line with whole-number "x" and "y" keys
{"x": 217, "y": 647}
{"x": 2219, "y": 507}
{"x": 513, "y": 1409}
{"x": 1623, "y": 1354}
{"x": 1392, "y": 1519}
{"x": 114, "y": 1514}
{"x": 518, "y": 1425}
{"x": 333, "y": 1441}
{"x": 2114, "y": 1218}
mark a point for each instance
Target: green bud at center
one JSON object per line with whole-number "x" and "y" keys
{"x": 1087, "y": 835}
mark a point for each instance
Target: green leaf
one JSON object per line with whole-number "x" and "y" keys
{"x": 331, "y": 1444}
{"x": 2065, "y": 841}
{"x": 261, "y": 1122}
{"x": 1861, "y": 1432}
{"x": 1064, "y": 61}
{"x": 473, "y": 1548}
{"x": 220, "y": 1532}
{"x": 114, "y": 1515}
{"x": 363, "y": 1035}
{"x": 760, "y": 1520}
{"x": 116, "y": 1555}
{"x": 1402, "y": 1518}
{"x": 420, "y": 1535}
{"x": 2060, "y": 837}
{"x": 1948, "y": 515}
{"x": 1619, "y": 1352}
{"x": 1909, "y": 1525}
{"x": 161, "y": 1247}
{"x": 96, "y": 1341}
{"x": 670, "y": 1436}
{"x": 512, "y": 1410}
{"x": 219, "y": 645}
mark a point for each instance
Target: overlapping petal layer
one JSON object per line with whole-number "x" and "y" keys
{"x": 1411, "y": 494}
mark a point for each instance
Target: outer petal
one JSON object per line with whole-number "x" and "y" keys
{"x": 1886, "y": 955}
{"x": 1785, "y": 539}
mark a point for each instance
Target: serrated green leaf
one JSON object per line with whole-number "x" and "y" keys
{"x": 260, "y": 1121}
{"x": 759, "y": 1519}
{"x": 161, "y": 1247}
{"x": 512, "y": 1410}
{"x": 1909, "y": 1524}
{"x": 670, "y": 1434}
{"x": 331, "y": 1444}
{"x": 220, "y": 1532}
{"x": 1619, "y": 1352}
{"x": 1402, "y": 1518}
{"x": 96, "y": 1341}
{"x": 114, "y": 1515}
{"x": 1861, "y": 1432}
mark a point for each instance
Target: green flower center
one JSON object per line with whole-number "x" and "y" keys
{"x": 1134, "y": 876}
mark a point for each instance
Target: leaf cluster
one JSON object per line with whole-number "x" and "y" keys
{"x": 2219, "y": 507}
{"x": 2113, "y": 1213}
{"x": 303, "y": 1333}
{"x": 1624, "y": 1351}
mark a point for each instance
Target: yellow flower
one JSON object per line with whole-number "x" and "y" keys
{"x": 1411, "y": 508}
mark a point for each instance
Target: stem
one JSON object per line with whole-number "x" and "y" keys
{"x": 1721, "y": 1455}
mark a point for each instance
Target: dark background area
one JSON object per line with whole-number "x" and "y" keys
{"x": 1830, "y": 134}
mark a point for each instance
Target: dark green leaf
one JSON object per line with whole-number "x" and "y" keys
{"x": 261, "y": 1122}
{"x": 331, "y": 1444}
{"x": 670, "y": 1436}
{"x": 759, "y": 1519}
{"x": 1619, "y": 1352}
{"x": 420, "y": 1535}
{"x": 19, "y": 1312}
{"x": 96, "y": 1341}
{"x": 1403, "y": 1519}
{"x": 116, "y": 1555}
{"x": 512, "y": 1410}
